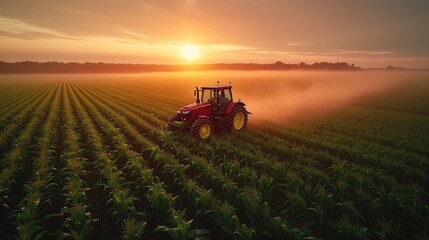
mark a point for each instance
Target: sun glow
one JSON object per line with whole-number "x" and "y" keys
{"x": 190, "y": 52}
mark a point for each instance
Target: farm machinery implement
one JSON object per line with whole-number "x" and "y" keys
{"x": 213, "y": 111}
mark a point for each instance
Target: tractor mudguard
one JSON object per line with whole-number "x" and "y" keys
{"x": 231, "y": 105}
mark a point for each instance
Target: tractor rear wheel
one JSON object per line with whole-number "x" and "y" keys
{"x": 202, "y": 128}
{"x": 237, "y": 119}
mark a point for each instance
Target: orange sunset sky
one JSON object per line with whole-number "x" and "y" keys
{"x": 367, "y": 33}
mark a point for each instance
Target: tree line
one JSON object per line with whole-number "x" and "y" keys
{"x": 100, "y": 67}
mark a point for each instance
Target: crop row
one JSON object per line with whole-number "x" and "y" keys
{"x": 27, "y": 215}
{"x": 17, "y": 161}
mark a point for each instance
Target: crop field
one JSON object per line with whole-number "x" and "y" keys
{"x": 89, "y": 157}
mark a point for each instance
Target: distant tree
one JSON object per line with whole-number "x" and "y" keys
{"x": 391, "y": 67}
{"x": 302, "y": 65}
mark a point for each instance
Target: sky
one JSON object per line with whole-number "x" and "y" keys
{"x": 367, "y": 33}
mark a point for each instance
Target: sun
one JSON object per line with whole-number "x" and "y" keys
{"x": 190, "y": 52}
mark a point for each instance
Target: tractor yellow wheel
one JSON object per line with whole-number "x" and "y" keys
{"x": 239, "y": 120}
{"x": 202, "y": 128}
{"x": 204, "y": 131}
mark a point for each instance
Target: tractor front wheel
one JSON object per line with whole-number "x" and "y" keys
{"x": 237, "y": 119}
{"x": 202, "y": 128}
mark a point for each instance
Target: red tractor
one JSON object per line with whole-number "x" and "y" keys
{"x": 215, "y": 111}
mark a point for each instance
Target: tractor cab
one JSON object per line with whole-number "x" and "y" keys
{"x": 214, "y": 110}
{"x": 218, "y": 96}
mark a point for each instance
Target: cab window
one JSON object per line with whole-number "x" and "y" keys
{"x": 226, "y": 93}
{"x": 207, "y": 94}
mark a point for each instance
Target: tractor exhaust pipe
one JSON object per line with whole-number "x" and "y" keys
{"x": 197, "y": 92}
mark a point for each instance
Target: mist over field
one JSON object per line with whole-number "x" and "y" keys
{"x": 269, "y": 95}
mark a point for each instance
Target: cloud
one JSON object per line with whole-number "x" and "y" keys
{"x": 27, "y": 35}
{"x": 358, "y": 52}
{"x": 293, "y": 44}
{"x": 16, "y": 26}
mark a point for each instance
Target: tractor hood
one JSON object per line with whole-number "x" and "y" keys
{"x": 193, "y": 106}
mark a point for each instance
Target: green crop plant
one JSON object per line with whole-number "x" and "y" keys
{"x": 133, "y": 229}
{"x": 79, "y": 224}
{"x": 387, "y": 199}
{"x": 318, "y": 217}
{"x": 387, "y": 229}
{"x": 346, "y": 229}
{"x": 277, "y": 228}
{"x": 342, "y": 188}
{"x": 160, "y": 203}
{"x": 191, "y": 190}
{"x": 266, "y": 187}
{"x": 229, "y": 189}
{"x": 177, "y": 171}
{"x": 294, "y": 207}
{"x": 248, "y": 176}
{"x": 347, "y": 208}
{"x": 26, "y": 221}
{"x": 411, "y": 206}
{"x": 244, "y": 232}
{"x": 226, "y": 219}
{"x": 204, "y": 204}
{"x": 255, "y": 210}
{"x": 122, "y": 204}
{"x": 366, "y": 205}
{"x": 182, "y": 230}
